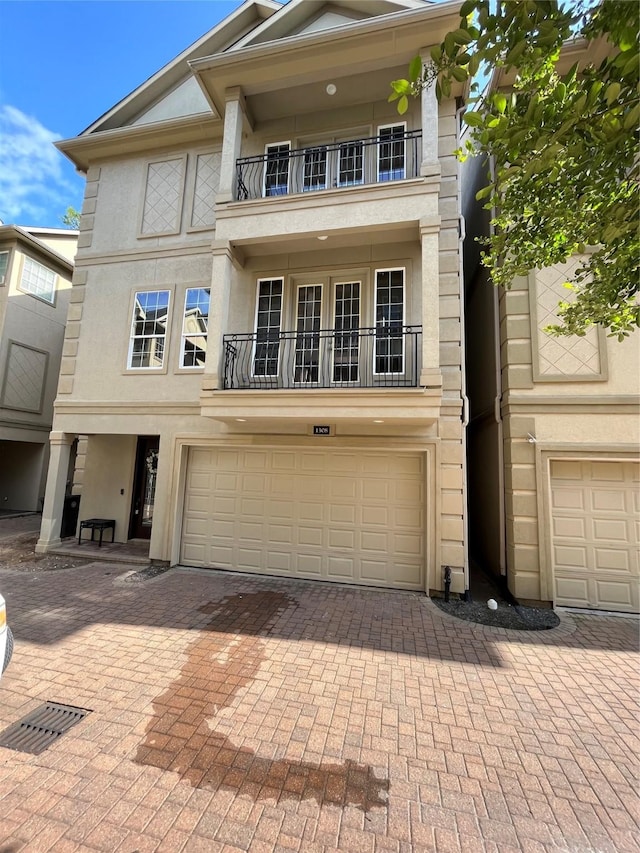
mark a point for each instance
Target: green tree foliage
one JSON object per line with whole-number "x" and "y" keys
{"x": 71, "y": 218}
{"x": 564, "y": 146}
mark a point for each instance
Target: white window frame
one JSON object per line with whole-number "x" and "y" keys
{"x": 403, "y": 322}
{"x": 381, "y": 127}
{"x": 265, "y": 194}
{"x": 3, "y": 272}
{"x": 133, "y": 337}
{"x": 184, "y": 335}
{"x": 336, "y": 285}
{"x": 301, "y": 383}
{"x": 260, "y": 281}
{"x": 38, "y": 292}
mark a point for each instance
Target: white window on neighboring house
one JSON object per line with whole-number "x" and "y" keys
{"x": 149, "y": 329}
{"x": 4, "y": 263}
{"x": 268, "y": 320}
{"x": 276, "y": 173}
{"x": 38, "y": 281}
{"x": 392, "y": 152}
{"x": 195, "y": 325}
{"x": 389, "y": 320}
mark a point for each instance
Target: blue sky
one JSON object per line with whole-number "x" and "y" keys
{"x": 63, "y": 63}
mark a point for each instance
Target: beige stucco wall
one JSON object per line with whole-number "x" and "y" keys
{"x": 599, "y": 414}
{"x": 98, "y": 397}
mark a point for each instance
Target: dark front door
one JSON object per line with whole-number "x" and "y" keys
{"x": 144, "y": 487}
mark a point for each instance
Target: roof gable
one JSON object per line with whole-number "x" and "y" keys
{"x": 299, "y": 17}
{"x": 172, "y": 92}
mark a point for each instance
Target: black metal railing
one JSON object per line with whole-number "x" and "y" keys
{"x": 385, "y": 356}
{"x": 391, "y": 156}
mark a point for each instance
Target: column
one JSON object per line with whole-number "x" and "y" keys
{"x": 429, "y": 116}
{"x": 221, "y": 277}
{"x": 235, "y": 113}
{"x": 430, "y": 375}
{"x": 60, "y": 451}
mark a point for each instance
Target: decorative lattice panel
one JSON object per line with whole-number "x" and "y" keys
{"x": 565, "y": 356}
{"x": 206, "y": 187}
{"x": 24, "y": 379}
{"x": 163, "y": 197}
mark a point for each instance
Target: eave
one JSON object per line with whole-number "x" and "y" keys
{"x": 362, "y": 47}
{"x": 102, "y": 145}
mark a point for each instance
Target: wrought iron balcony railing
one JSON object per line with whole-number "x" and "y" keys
{"x": 392, "y": 156}
{"x": 385, "y": 356}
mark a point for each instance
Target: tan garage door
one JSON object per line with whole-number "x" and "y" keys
{"x": 595, "y": 539}
{"x": 330, "y": 515}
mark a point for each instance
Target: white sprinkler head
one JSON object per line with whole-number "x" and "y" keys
{"x": 492, "y": 604}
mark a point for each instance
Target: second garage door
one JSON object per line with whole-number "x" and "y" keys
{"x": 350, "y": 517}
{"x": 595, "y": 539}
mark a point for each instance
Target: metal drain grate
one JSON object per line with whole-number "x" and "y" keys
{"x": 39, "y": 729}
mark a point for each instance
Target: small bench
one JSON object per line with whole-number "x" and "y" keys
{"x": 100, "y": 524}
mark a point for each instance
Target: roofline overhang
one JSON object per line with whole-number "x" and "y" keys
{"x": 20, "y": 234}
{"x": 244, "y": 63}
{"x": 578, "y": 50}
{"x": 101, "y": 145}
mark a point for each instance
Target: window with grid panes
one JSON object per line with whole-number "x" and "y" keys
{"x": 268, "y": 319}
{"x": 149, "y": 329}
{"x": 195, "y": 327}
{"x": 38, "y": 280}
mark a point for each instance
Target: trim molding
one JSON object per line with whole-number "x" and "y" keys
{"x": 588, "y": 404}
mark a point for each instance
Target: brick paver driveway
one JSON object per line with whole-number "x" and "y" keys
{"x": 233, "y": 713}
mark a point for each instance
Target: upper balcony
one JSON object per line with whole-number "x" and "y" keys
{"x": 393, "y": 155}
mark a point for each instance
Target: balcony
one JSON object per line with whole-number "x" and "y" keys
{"x": 393, "y": 155}
{"x": 380, "y": 357}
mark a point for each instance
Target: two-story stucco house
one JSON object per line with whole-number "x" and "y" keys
{"x": 36, "y": 265}
{"x": 265, "y": 339}
{"x": 553, "y": 436}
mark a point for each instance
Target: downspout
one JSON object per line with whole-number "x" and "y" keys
{"x": 497, "y": 413}
{"x": 463, "y": 384}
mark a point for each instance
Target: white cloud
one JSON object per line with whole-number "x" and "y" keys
{"x": 34, "y": 186}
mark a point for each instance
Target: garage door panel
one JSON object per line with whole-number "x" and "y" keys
{"x": 608, "y": 529}
{"x": 610, "y": 593}
{"x": 310, "y": 536}
{"x": 338, "y": 515}
{"x": 575, "y": 556}
{"x": 568, "y": 498}
{"x": 374, "y": 515}
{"x": 281, "y": 533}
{"x": 572, "y": 592}
{"x": 344, "y": 489}
{"x": 310, "y": 565}
{"x": 375, "y": 542}
{"x": 611, "y": 560}
{"x": 594, "y": 528}
{"x": 373, "y": 571}
{"x": 342, "y": 539}
{"x": 340, "y": 568}
{"x": 569, "y": 528}
{"x": 311, "y": 511}
{"x": 612, "y": 500}
{"x": 608, "y": 471}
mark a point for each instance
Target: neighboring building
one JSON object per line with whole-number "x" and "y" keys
{"x": 554, "y": 437}
{"x": 36, "y": 265}
{"x": 264, "y": 343}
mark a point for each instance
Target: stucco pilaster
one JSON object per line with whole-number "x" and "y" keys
{"x": 235, "y": 114}
{"x": 430, "y": 374}
{"x": 221, "y": 277}
{"x": 429, "y": 116}
{"x": 60, "y": 451}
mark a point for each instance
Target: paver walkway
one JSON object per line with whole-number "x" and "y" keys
{"x": 234, "y": 713}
